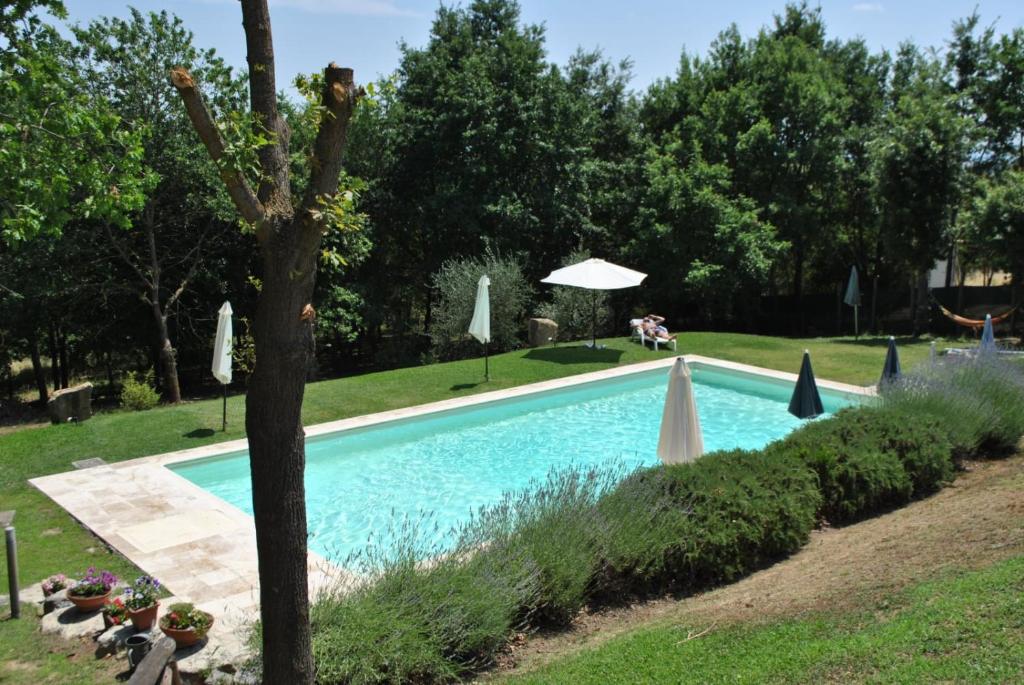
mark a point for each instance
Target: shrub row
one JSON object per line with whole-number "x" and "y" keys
{"x": 596, "y": 536}
{"x": 868, "y": 459}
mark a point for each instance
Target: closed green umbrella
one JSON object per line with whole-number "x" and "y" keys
{"x": 852, "y": 297}
{"x": 891, "y": 370}
{"x": 806, "y": 402}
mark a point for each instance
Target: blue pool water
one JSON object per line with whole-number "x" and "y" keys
{"x": 451, "y": 463}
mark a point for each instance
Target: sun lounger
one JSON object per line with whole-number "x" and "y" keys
{"x": 638, "y": 334}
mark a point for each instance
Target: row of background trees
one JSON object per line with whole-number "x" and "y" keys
{"x": 745, "y": 184}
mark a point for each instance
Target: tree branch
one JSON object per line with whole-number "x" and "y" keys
{"x": 245, "y": 200}
{"x": 274, "y": 190}
{"x": 338, "y": 102}
{"x": 192, "y": 269}
{"x": 127, "y": 258}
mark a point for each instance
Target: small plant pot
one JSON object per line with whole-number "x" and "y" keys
{"x": 186, "y": 637}
{"x": 136, "y": 648}
{"x": 143, "y": 619}
{"x": 89, "y": 604}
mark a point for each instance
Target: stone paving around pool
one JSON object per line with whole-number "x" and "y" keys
{"x": 204, "y": 549}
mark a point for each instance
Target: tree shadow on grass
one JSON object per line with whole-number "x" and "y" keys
{"x": 574, "y": 355}
{"x": 880, "y": 341}
{"x": 199, "y": 433}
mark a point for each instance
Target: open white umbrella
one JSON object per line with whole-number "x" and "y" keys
{"x": 680, "y": 440}
{"x": 222, "y": 354}
{"x": 595, "y": 274}
{"x": 480, "y": 326}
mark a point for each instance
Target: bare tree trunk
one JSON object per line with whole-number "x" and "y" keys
{"x": 273, "y": 422}
{"x": 168, "y": 357}
{"x": 874, "y": 304}
{"x": 289, "y": 237}
{"x": 54, "y": 357}
{"x": 37, "y": 366}
{"x": 62, "y": 350}
{"x": 798, "y": 286}
{"x": 168, "y": 362}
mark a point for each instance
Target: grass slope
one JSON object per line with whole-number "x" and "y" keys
{"x": 967, "y": 628}
{"x": 50, "y": 541}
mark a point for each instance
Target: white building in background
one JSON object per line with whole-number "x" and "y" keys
{"x": 937, "y": 276}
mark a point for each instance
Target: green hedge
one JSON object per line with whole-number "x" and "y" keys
{"x": 709, "y": 521}
{"x": 596, "y": 536}
{"x": 868, "y": 459}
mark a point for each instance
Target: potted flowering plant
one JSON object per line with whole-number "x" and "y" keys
{"x": 114, "y": 613}
{"x": 91, "y": 591}
{"x": 140, "y": 600}
{"x": 185, "y": 624}
{"x": 54, "y": 584}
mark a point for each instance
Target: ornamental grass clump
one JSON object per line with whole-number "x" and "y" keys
{"x": 419, "y": 611}
{"x": 555, "y": 529}
{"x": 979, "y": 401}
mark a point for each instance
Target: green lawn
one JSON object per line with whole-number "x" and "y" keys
{"x": 966, "y": 629}
{"x": 27, "y": 657}
{"x": 50, "y": 541}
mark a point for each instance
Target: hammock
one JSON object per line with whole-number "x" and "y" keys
{"x": 976, "y": 324}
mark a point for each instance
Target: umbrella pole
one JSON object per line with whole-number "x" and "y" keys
{"x": 224, "y": 420}
{"x": 593, "y": 316}
{"x": 487, "y": 366}
{"x": 856, "y": 327}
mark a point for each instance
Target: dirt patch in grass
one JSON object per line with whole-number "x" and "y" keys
{"x": 976, "y": 521}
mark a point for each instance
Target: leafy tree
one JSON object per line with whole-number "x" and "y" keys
{"x": 997, "y": 226}
{"x": 697, "y": 242}
{"x": 456, "y": 284}
{"x": 186, "y": 217}
{"x": 65, "y": 157}
{"x": 918, "y": 159}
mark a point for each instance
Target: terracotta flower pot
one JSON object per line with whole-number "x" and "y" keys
{"x": 186, "y": 637}
{"x": 89, "y": 604}
{"x": 143, "y": 619}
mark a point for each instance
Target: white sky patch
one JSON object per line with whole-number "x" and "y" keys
{"x": 868, "y": 7}
{"x": 367, "y": 8}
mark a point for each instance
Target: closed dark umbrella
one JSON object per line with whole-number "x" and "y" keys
{"x": 806, "y": 402}
{"x": 891, "y": 371}
{"x": 852, "y": 298}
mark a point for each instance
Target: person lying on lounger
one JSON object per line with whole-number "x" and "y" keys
{"x": 653, "y": 328}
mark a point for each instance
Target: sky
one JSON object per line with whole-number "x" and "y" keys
{"x": 365, "y": 34}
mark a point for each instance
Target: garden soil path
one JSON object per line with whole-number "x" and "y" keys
{"x": 976, "y": 521}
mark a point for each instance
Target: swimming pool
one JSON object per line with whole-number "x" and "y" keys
{"x": 451, "y": 463}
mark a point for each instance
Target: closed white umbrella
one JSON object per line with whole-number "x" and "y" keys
{"x": 680, "y": 440}
{"x": 222, "y": 354}
{"x": 480, "y": 326}
{"x": 595, "y": 274}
